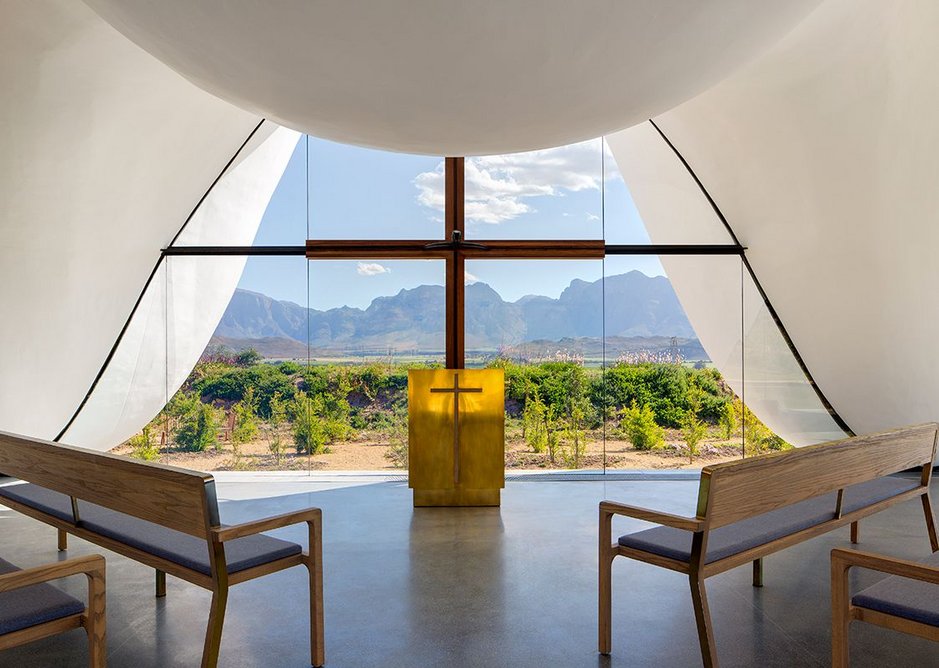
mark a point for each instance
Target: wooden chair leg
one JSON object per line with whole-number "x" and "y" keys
{"x": 605, "y": 587}
{"x": 703, "y": 620}
{"x": 758, "y": 572}
{"x": 213, "y": 633}
{"x": 315, "y": 567}
{"x": 930, "y": 523}
{"x": 63, "y": 540}
{"x": 854, "y": 532}
{"x": 95, "y": 619}
{"x": 840, "y": 621}
{"x": 160, "y": 584}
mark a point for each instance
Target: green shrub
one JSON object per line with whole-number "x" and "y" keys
{"x": 728, "y": 421}
{"x": 275, "y": 440}
{"x": 246, "y": 418}
{"x": 142, "y": 446}
{"x": 198, "y": 429}
{"x": 397, "y": 452}
{"x": 639, "y": 427}
{"x": 693, "y": 432}
{"x": 535, "y": 424}
{"x": 309, "y": 434}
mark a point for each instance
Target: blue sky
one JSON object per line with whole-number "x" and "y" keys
{"x": 369, "y": 194}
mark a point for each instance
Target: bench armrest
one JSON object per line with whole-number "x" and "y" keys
{"x": 310, "y": 515}
{"x": 658, "y": 517}
{"x": 843, "y": 560}
{"x": 91, "y": 565}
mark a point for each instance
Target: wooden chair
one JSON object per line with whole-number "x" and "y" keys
{"x": 31, "y": 609}
{"x": 161, "y": 516}
{"x": 908, "y": 601}
{"x": 751, "y": 508}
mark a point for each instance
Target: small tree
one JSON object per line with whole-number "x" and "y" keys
{"x": 728, "y": 421}
{"x": 308, "y": 433}
{"x": 693, "y": 431}
{"x": 397, "y": 452}
{"x": 246, "y": 418}
{"x": 275, "y": 440}
{"x": 534, "y": 425}
{"x": 575, "y": 434}
{"x": 639, "y": 427}
{"x": 247, "y": 357}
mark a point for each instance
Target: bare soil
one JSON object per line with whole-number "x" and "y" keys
{"x": 370, "y": 454}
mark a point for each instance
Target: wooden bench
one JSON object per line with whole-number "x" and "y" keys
{"x": 751, "y": 508}
{"x": 161, "y": 516}
{"x": 907, "y": 601}
{"x": 31, "y": 609}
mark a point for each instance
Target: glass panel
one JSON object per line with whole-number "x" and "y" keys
{"x": 542, "y": 321}
{"x": 232, "y": 361}
{"x": 647, "y": 179}
{"x": 668, "y": 394}
{"x": 260, "y": 200}
{"x": 371, "y": 321}
{"x": 360, "y": 193}
{"x": 549, "y": 194}
{"x": 777, "y": 390}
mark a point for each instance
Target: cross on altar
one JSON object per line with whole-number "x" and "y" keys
{"x": 456, "y": 436}
{"x": 456, "y": 390}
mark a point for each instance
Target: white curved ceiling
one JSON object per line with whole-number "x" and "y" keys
{"x": 450, "y": 77}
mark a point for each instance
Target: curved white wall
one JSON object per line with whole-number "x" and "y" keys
{"x": 824, "y": 157}
{"x": 104, "y": 151}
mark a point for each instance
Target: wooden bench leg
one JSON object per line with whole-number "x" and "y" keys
{"x": 213, "y": 633}
{"x": 854, "y": 532}
{"x": 63, "y": 540}
{"x": 605, "y": 586}
{"x": 840, "y": 621}
{"x": 95, "y": 618}
{"x": 758, "y": 572}
{"x": 160, "y": 584}
{"x": 930, "y": 523}
{"x": 315, "y": 566}
{"x": 703, "y": 620}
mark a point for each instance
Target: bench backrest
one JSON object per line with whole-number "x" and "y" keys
{"x": 172, "y": 497}
{"x": 735, "y": 490}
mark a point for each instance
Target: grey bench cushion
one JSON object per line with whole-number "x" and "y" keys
{"x": 36, "y": 604}
{"x": 753, "y": 531}
{"x": 903, "y": 597}
{"x": 181, "y": 548}
{"x": 52, "y": 503}
{"x": 175, "y": 546}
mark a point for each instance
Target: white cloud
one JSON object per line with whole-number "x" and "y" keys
{"x": 468, "y": 278}
{"x": 371, "y": 269}
{"x": 592, "y": 216}
{"x": 497, "y": 186}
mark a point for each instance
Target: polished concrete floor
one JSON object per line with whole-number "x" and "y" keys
{"x": 514, "y": 586}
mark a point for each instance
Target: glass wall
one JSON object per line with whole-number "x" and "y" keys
{"x": 646, "y": 359}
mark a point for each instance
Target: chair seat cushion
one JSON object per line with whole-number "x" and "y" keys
{"x": 176, "y": 546}
{"x": 181, "y": 548}
{"x": 903, "y": 597}
{"x": 739, "y": 536}
{"x": 52, "y": 503}
{"x": 36, "y": 604}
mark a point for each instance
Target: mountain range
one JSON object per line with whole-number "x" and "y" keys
{"x": 638, "y": 307}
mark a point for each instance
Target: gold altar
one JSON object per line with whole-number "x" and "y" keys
{"x": 456, "y": 436}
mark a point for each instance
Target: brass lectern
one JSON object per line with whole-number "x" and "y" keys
{"x": 456, "y": 436}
